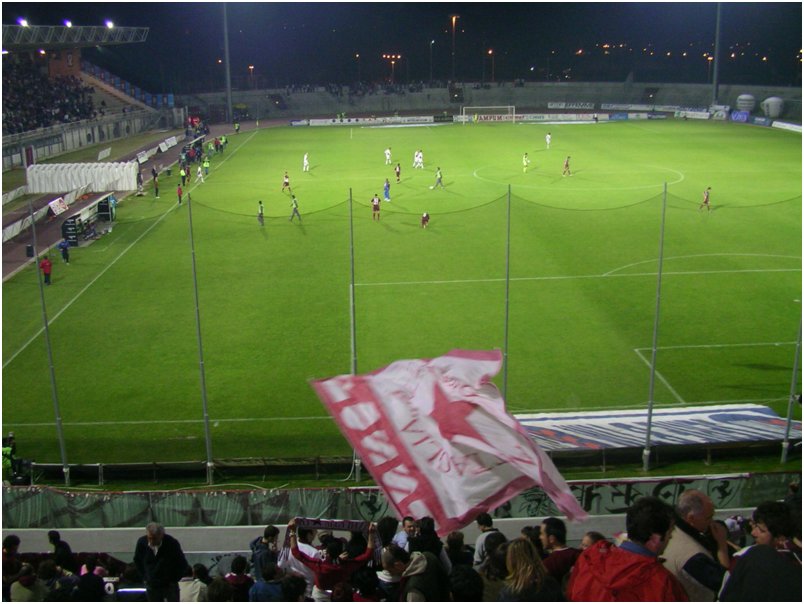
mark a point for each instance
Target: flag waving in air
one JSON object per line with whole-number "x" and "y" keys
{"x": 436, "y": 437}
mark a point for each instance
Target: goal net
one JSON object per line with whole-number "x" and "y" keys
{"x": 499, "y": 113}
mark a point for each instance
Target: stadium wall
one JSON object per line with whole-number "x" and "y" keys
{"x": 528, "y": 96}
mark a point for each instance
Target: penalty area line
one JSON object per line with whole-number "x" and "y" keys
{"x": 146, "y": 422}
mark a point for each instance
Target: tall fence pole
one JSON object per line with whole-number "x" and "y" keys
{"x": 202, "y": 373}
{"x": 507, "y": 297}
{"x": 353, "y": 327}
{"x": 646, "y": 450}
{"x": 53, "y": 389}
{"x": 793, "y": 397}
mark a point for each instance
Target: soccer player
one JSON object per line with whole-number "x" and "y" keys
{"x": 375, "y": 207}
{"x": 566, "y": 167}
{"x": 179, "y": 193}
{"x": 525, "y": 162}
{"x": 286, "y": 182}
{"x": 438, "y": 181}
{"x": 261, "y": 213}
{"x": 547, "y": 139}
{"x": 705, "y": 201}
{"x": 388, "y": 156}
{"x": 306, "y": 163}
{"x": 295, "y": 205}
{"x": 386, "y": 190}
{"x": 425, "y": 220}
{"x": 199, "y": 174}
{"x": 398, "y": 172}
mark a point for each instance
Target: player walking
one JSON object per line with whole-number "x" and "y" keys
{"x": 567, "y": 170}
{"x": 388, "y": 156}
{"x": 425, "y": 220}
{"x": 525, "y": 163}
{"x": 705, "y": 201}
{"x": 386, "y": 190}
{"x": 306, "y": 163}
{"x": 547, "y": 139}
{"x": 261, "y": 213}
{"x": 398, "y": 172}
{"x": 375, "y": 207}
{"x": 286, "y": 182}
{"x": 295, "y": 205}
{"x": 438, "y": 182}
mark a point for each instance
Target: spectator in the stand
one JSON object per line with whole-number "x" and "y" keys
{"x": 293, "y": 588}
{"x": 408, "y": 530}
{"x": 528, "y": 580}
{"x": 698, "y": 551}
{"x": 161, "y": 562}
{"x": 493, "y": 570}
{"x": 304, "y": 538}
{"x": 426, "y": 540}
{"x": 590, "y": 538}
{"x": 268, "y": 587}
{"x": 457, "y": 551}
{"x": 423, "y": 579}
{"x": 366, "y": 584}
{"x": 62, "y": 554}
{"x": 534, "y": 534}
{"x": 264, "y": 550}
{"x": 27, "y": 587}
{"x": 239, "y": 579}
{"x": 769, "y": 570}
{"x": 334, "y": 567}
{"x": 486, "y": 526}
{"x": 386, "y": 583}
{"x": 220, "y": 590}
{"x": 560, "y": 558}
{"x": 633, "y": 571}
{"x": 131, "y": 587}
{"x": 465, "y": 584}
{"x": 12, "y": 564}
{"x": 193, "y": 586}
{"x": 90, "y": 586}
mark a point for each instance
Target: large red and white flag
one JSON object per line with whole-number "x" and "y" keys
{"x": 436, "y": 437}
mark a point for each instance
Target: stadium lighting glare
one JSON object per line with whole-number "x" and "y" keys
{"x": 42, "y": 51}
{"x": 109, "y": 24}
{"x": 23, "y": 22}
{"x": 68, "y": 23}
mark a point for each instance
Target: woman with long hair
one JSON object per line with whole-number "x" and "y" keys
{"x": 527, "y": 579}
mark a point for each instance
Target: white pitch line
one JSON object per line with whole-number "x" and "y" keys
{"x": 571, "y": 277}
{"x": 685, "y": 346}
{"x": 615, "y": 408}
{"x": 171, "y": 421}
{"x": 111, "y": 264}
{"x": 662, "y": 379}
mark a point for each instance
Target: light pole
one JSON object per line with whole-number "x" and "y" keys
{"x": 393, "y": 59}
{"x": 251, "y": 74}
{"x": 454, "y": 19}
{"x": 431, "y": 59}
{"x": 709, "y": 60}
{"x": 491, "y": 54}
{"x": 357, "y": 58}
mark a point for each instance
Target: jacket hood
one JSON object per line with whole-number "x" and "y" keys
{"x": 616, "y": 568}
{"x": 418, "y": 564}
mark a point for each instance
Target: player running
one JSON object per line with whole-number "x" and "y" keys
{"x": 425, "y": 220}
{"x": 286, "y": 182}
{"x": 525, "y": 163}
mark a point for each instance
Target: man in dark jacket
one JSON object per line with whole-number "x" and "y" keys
{"x": 423, "y": 578}
{"x": 161, "y": 562}
{"x": 62, "y": 554}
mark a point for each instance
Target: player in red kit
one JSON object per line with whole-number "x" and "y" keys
{"x": 425, "y": 220}
{"x": 375, "y": 207}
{"x": 705, "y": 201}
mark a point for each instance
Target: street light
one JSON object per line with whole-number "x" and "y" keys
{"x": 431, "y": 59}
{"x": 709, "y": 60}
{"x": 357, "y": 58}
{"x": 251, "y": 75}
{"x": 454, "y": 18}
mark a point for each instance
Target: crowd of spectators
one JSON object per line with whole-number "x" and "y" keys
{"x": 665, "y": 554}
{"x": 32, "y": 100}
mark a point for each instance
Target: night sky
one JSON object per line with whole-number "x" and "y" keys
{"x": 317, "y": 43}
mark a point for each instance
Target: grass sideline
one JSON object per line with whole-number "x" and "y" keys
{"x": 274, "y": 301}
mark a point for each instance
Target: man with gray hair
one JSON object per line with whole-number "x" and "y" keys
{"x": 698, "y": 552}
{"x": 161, "y": 562}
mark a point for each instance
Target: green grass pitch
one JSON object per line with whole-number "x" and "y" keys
{"x": 274, "y": 301}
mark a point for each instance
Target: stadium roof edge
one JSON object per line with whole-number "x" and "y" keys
{"x": 56, "y": 37}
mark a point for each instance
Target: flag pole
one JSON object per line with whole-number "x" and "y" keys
{"x": 651, "y": 388}
{"x": 792, "y": 399}
{"x": 53, "y": 389}
{"x": 507, "y": 298}
{"x": 207, "y": 437}
{"x": 353, "y": 327}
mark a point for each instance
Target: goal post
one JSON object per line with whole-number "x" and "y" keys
{"x": 495, "y": 113}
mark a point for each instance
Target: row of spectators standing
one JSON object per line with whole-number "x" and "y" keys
{"x": 666, "y": 554}
{"x": 31, "y": 100}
